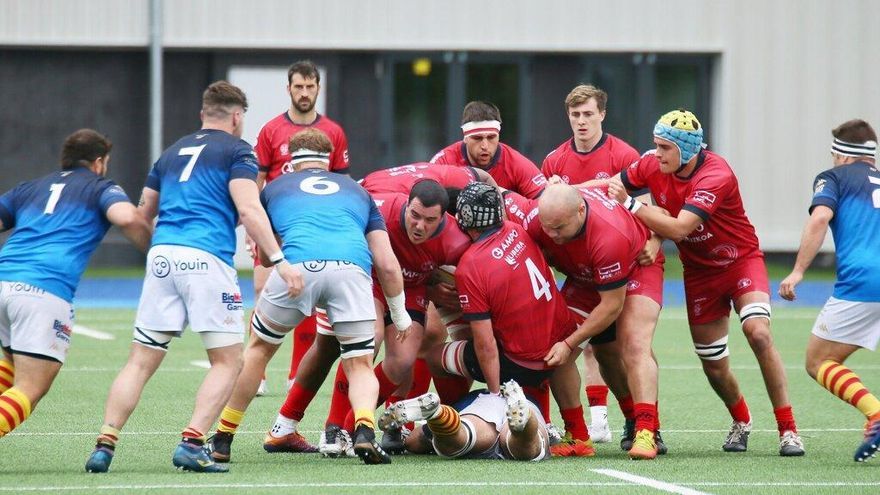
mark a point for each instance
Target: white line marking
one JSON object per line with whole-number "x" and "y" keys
{"x": 201, "y": 363}
{"x": 91, "y": 332}
{"x": 650, "y": 482}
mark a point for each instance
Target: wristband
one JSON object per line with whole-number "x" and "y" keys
{"x": 276, "y": 258}
{"x": 632, "y": 205}
{"x": 397, "y": 308}
{"x": 565, "y": 341}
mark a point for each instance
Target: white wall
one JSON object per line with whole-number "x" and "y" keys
{"x": 788, "y": 71}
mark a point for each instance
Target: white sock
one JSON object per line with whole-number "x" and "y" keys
{"x": 598, "y": 415}
{"x": 283, "y": 426}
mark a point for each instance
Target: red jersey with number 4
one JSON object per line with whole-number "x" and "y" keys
{"x": 510, "y": 169}
{"x": 272, "y": 152}
{"x": 605, "y": 160}
{"x": 712, "y": 193}
{"x": 503, "y": 277}
{"x": 401, "y": 179}
{"x": 418, "y": 261}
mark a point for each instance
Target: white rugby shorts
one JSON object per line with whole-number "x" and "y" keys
{"x": 849, "y": 322}
{"x": 34, "y": 322}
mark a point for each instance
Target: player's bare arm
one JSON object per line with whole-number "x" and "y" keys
{"x": 486, "y": 349}
{"x": 811, "y": 241}
{"x": 391, "y": 279}
{"x": 135, "y": 227}
{"x": 148, "y": 205}
{"x": 609, "y": 307}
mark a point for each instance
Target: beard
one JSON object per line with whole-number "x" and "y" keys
{"x": 305, "y": 105}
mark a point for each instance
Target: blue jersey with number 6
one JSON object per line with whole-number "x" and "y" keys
{"x": 58, "y": 220}
{"x": 192, "y": 178}
{"x": 853, "y": 193}
{"x": 321, "y": 215}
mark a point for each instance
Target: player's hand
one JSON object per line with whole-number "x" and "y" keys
{"x": 250, "y": 246}
{"x": 555, "y": 180}
{"x": 786, "y": 288}
{"x": 292, "y": 277}
{"x": 443, "y": 294}
{"x": 558, "y": 354}
{"x": 403, "y": 334}
{"x": 649, "y": 253}
{"x": 616, "y": 190}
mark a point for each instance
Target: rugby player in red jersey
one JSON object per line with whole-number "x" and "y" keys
{"x": 400, "y": 179}
{"x": 723, "y": 264}
{"x": 303, "y": 86}
{"x": 480, "y": 148}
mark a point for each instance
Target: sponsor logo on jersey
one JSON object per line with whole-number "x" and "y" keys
{"x": 662, "y": 198}
{"x": 700, "y": 236}
{"x": 600, "y": 196}
{"x": 345, "y": 156}
{"x": 160, "y": 267}
{"x": 633, "y": 285}
{"x": 283, "y": 149}
{"x": 539, "y": 180}
{"x": 744, "y": 282}
{"x": 193, "y": 266}
{"x": 463, "y": 299}
{"x": 27, "y": 288}
{"x": 725, "y": 254}
{"x": 62, "y": 330}
{"x": 314, "y": 266}
{"x": 232, "y": 300}
{"x": 606, "y": 272}
{"x": 566, "y": 179}
{"x": 602, "y": 175}
{"x": 704, "y": 197}
{"x": 819, "y": 187}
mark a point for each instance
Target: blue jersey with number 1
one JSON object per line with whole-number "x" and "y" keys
{"x": 58, "y": 220}
{"x": 322, "y": 215}
{"x": 192, "y": 178}
{"x": 853, "y": 193}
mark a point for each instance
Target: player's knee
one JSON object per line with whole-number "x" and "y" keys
{"x": 758, "y": 336}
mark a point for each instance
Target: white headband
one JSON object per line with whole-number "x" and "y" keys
{"x": 868, "y": 148}
{"x": 306, "y": 155}
{"x": 480, "y": 127}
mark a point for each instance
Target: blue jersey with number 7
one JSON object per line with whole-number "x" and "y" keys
{"x": 192, "y": 177}
{"x": 321, "y": 215}
{"x": 59, "y": 220}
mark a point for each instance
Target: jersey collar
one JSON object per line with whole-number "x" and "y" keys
{"x": 314, "y": 122}
{"x": 598, "y": 145}
{"x": 701, "y": 159}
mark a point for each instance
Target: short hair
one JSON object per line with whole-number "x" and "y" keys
{"x": 478, "y": 111}
{"x": 855, "y": 131}
{"x": 430, "y": 193}
{"x": 220, "y": 98}
{"x": 310, "y": 139}
{"x": 83, "y": 147}
{"x": 582, "y": 93}
{"x": 305, "y": 68}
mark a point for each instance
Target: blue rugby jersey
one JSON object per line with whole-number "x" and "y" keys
{"x": 321, "y": 215}
{"x": 59, "y": 220}
{"x": 192, "y": 177}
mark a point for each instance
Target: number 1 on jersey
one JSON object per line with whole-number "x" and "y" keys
{"x": 875, "y": 195}
{"x": 540, "y": 285}
{"x": 54, "y": 196}
{"x": 193, "y": 152}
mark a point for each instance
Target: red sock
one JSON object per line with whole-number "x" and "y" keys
{"x": 645, "y": 416}
{"x": 574, "y": 422}
{"x": 386, "y": 386}
{"x": 626, "y": 407}
{"x": 303, "y": 336}
{"x": 541, "y": 396}
{"x": 298, "y": 399}
{"x": 740, "y": 411}
{"x": 785, "y": 419}
{"x": 657, "y": 416}
{"x": 421, "y": 379}
{"x": 597, "y": 395}
{"x": 451, "y": 388}
{"x": 339, "y": 404}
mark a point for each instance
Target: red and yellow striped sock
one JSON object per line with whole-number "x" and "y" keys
{"x": 365, "y": 417}
{"x": 193, "y": 436}
{"x": 229, "y": 420}
{"x": 842, "y": 382}
{"x": 446, "y": 423}
{"x": 7, "y": 375}
{"x": 108, "y": 436}
{"x": 15, "y": 407}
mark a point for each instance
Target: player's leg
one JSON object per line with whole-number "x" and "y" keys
{"x": 441, "y": 325}
{"x": 597, "y": 397}
{"x": 566, "y": 387}
{"x": 754, "y": 312}
{"x": 635, "y": 331}
{"x": 842, "y": 328}
{"x": 524, "y": 436}
{"x": 397, "y": 368}
{"x": 33, "y": 379}
{"x": 7, "y": 372}
{"x": 261, "y": 275}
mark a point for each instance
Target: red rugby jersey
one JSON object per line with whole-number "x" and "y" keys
{"x": 503, "y": 277}
{"x": 712, "y": 193}
{"x": 605, "y": 160}
{"x": 510, "y": 169}
{"x": 272, "y": 141}
{"x": 401, "y": 179}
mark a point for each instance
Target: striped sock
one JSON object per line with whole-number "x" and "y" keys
{"x": 7, "y": 375}
{"x": 15, "y": 407}
{"x": 229, "y": 420}
{"x": 842, "y": 382}
{"x": 108, "y": 436}
{"x": 193, "y": 436}
{"x": 445, "y": 423}
{"x": 739, "y": 411}
{"x": 365, "y": 417}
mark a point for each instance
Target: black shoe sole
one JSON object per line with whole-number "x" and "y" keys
{"x": 370, "y": 454}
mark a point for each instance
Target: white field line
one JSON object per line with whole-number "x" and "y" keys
{"x": 92, "y": 333}
{"x": 316, "y": 432}
{"x": 649, "y": 482}
{"x": 201, "y": 363}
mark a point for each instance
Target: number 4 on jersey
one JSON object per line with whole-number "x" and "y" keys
{"x": 540, "y": 285}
